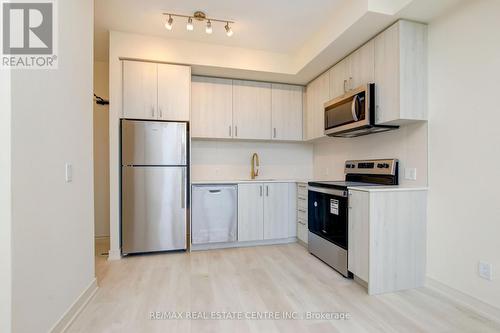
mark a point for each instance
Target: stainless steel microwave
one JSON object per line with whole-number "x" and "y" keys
{"x": 353, "y": 114}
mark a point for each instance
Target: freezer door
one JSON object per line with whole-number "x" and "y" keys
{"x": 153, "y": 209}
{"x": 153, "y": 143}
{"x": 214, "y": 214}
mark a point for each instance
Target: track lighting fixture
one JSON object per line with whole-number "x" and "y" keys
{"x": 199, "y": 16}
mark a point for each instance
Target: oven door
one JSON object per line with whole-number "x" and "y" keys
{"x": 349, "y": 111}
{"x": 328, "y": 214}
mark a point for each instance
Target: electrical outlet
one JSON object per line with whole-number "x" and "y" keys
{"x": 485, "y": 270}
{"x": 410, "y": 173}
{"x": 69, "y": 172}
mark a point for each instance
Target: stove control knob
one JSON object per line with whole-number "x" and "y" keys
{"x": 386, "y": 165}
{"x": 380, "y": 165}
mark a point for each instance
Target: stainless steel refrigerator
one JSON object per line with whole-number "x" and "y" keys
{"x": 154, "y": 171}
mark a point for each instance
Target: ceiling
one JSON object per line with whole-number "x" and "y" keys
{"x": 281, "y": 26}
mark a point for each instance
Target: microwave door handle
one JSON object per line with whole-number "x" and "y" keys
{"x": 354, "y": 107}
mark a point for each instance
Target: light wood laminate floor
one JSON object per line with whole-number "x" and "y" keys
{"x": 267, "y": 278}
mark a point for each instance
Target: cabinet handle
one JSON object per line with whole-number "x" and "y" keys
{"x": 236, "y": 131}
{"x": 260, "y": 190}
{"x": 350, "y": 84}
{"x": 302, "y": 211}
{"x": 274, "y": 134}
{"x": 267, "y": 190}
{"x": 345, "y": 83}
{"x": 229, "y": 130}
{"x": 152, "y": 111}
{"x": 161, "y": 113}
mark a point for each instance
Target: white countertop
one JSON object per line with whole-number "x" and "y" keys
{"x": 386, "y": 188}
{"x": 245, "y": 181}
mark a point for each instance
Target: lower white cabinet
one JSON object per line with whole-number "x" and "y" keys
{"x": 302, "y": 203}
{"x": 250, "y": 212}
{"x": 266, "y": 211}
{"x": 387, "y": 238}
{"x": 358, "y": 234}
{"x": 276, "y": 211}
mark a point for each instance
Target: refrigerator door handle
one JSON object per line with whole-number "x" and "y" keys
{"x": 183, "y": 189}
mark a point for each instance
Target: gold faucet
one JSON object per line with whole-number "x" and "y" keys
{"x": 255, "y": 165}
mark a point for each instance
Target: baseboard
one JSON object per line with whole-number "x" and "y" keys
{"x": 114, "y": 255}
{"x": 471, "y": 303}
{"x": 202, "y": 247}
{"x": 74, "y": 310}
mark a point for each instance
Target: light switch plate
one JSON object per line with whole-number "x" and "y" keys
{"x": 69, "y": 172}
{"x": 410, "y": 173}
{"x": 485, "y": 270}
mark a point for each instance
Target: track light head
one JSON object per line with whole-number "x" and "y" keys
{"x": 168, "y": 24}
{"x": 208, "y": 29}
{"x": 189, "y": 25}
{"x": 229, "y": 31}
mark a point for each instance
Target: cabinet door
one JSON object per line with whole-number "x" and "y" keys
{"x": 252, "y": 110}
{"x": 139, "y": 90}
{"x": 211, "y": 107}
{"x": 250, "y": 212}
{"x": 174, "y": 92}
{"x": 339, "y": 78}
{"x": 276, "y": 210}
{"x": 359, "y": 234}
{"x": 318, "y": 92}
{"x": 286, "y": 112}
{"x": 387, "y": 73}
{"x": 362, "y": 66}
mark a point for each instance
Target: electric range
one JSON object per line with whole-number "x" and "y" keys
{"x": 328, "y": 208}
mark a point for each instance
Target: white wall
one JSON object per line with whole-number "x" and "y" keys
{"x": 52, "y": 228}
{"x": 408, "y": 144}
{"x": 101, "y": 150}
{"x": 464, "y": 148}
{"x": 5, "y": 203}
{"x": 230, "y": 160}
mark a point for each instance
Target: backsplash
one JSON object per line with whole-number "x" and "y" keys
{"x": 408, "y": 144}
{"x": 230, "y": 160}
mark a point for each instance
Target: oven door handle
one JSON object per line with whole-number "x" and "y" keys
{"x": 331, "y": 191}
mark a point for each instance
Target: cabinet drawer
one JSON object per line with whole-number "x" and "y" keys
{"x": 302, "y": 232}
{"x": 302, "y": 202}
{"x": 302, "y": 190}
{"x": 302, "y": 214}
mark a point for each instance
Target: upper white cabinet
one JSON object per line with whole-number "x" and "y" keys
{"x": 140, "y": 93}
{"x": 286, "y": 112}
{"x": 318, "y": 93}
{"x": 339, "y": 78}
{"x": 353, "y": 71}
{"x": 211, "y": 107}
{"x": 362, "y": 66}
{"x": 251, "y": 110}
{"x": 174, "y": 92}
{"x": 156, "y": 91}
{"x": 401, "y": 73}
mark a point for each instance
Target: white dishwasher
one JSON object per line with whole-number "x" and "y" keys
{"x": 214, "y": 213}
